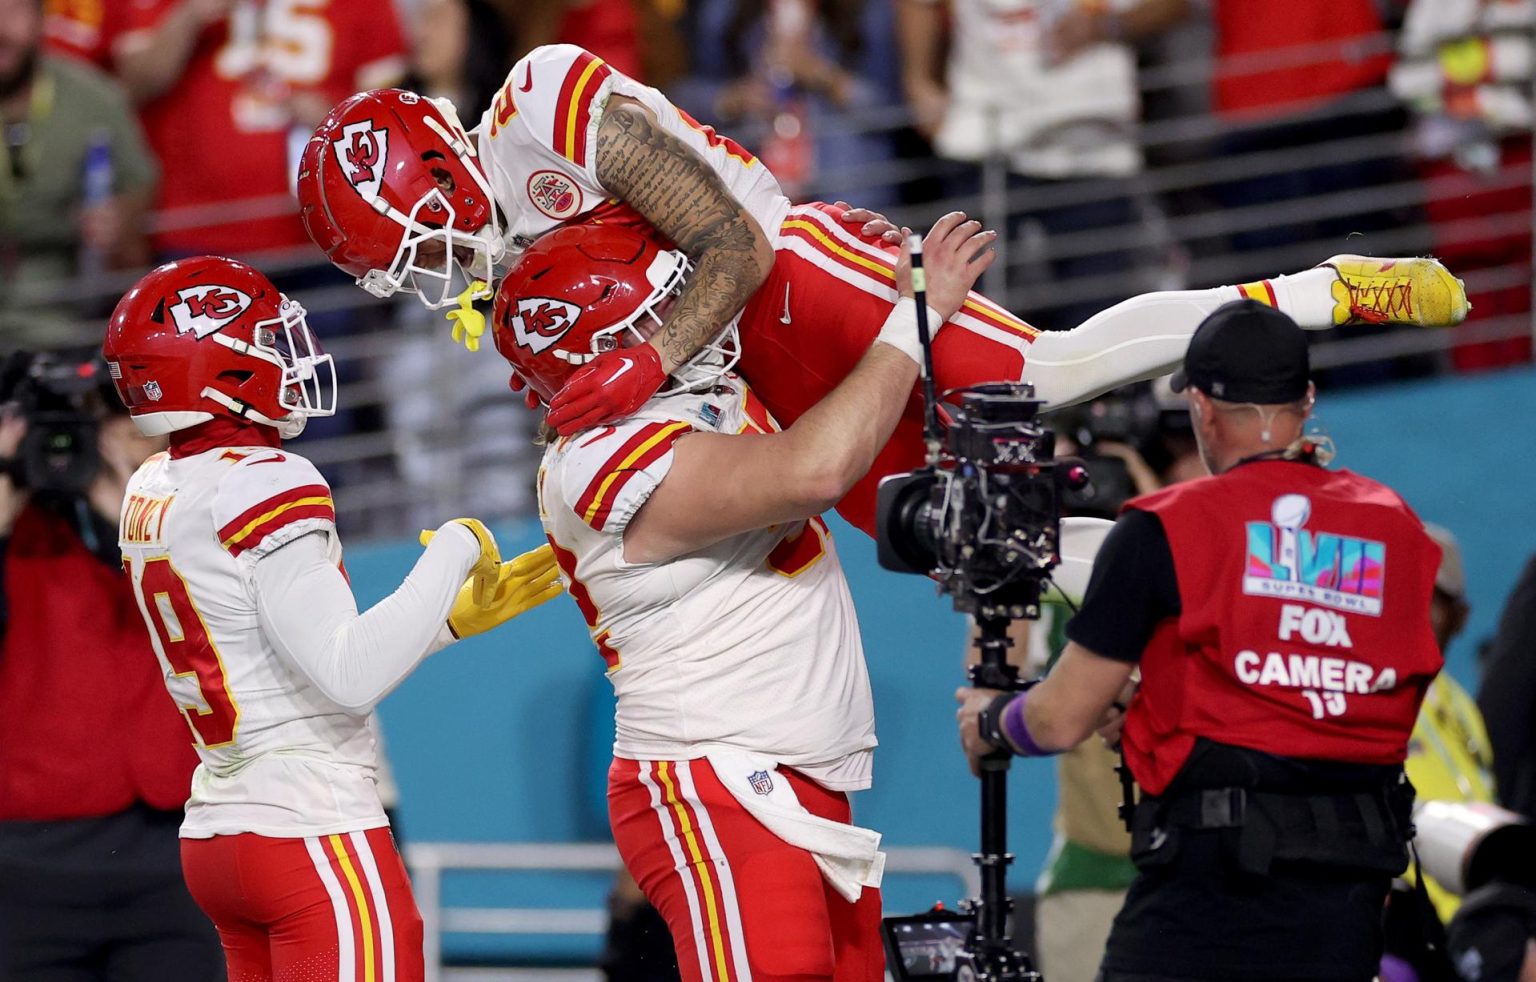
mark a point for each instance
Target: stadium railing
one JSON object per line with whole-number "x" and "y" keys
{"x": 1181, "y": 231}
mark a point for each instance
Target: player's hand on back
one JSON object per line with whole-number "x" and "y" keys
{"x": 956, "y": 251}
{"x": 615, "y": 385}
{"x": 872, "y": 224}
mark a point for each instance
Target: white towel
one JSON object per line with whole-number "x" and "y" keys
{"x": 849, "y": 857}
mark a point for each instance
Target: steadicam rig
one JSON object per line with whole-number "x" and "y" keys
{"x": 983, "y": 519}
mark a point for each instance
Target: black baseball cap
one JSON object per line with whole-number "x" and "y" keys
{"x": 1246, "y": 351}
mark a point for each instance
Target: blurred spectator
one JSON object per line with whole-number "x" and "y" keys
{"x": 1465, "y": 70}
{"x": 609, "y": 29}
{"x": 617, "y": 31}
{"x": 1314, "y": 141}
{"x": 230, "y": 91}
{"x": 802, "y": 83}
{"x": 95, "y": 761}
{"x": 462, "y": 53}
{"x": 85, "y": 29}
{"x": 1049, "y": 85}
{"x": 74, "y": 185}
{"x": 455, "y": 428}
{"x": 1449, "y": 756}
{"x": 1507, "y": 697}
{"x": 663, "y": 44}
{"x": 1449, "y": 759}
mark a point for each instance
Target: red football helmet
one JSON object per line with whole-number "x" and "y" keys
{"x": 387, "y": 173}
{"x": 202, "y": 337}
{"x": 581, "y": 290}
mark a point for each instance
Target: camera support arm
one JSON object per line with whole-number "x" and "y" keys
{"x": 989, "y": 955}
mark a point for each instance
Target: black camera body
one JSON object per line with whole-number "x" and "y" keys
{"x": 61, "y": 401}
{"x": 1128, "y": 416}
{"x": 985, "y": 520}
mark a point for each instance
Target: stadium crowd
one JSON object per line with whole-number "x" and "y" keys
{"x": 1182, "y": 144}
{"x": 1120, "y": 146}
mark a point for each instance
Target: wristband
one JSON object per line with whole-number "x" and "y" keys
{"x": 990, "y": 721}
{"x": 1017, "y": 732}
{"x": 900, "y": 329}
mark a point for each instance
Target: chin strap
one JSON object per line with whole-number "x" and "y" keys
{"x": 287, "y": 427}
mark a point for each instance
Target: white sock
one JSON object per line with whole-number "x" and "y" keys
{"x": 1307, "y": 297}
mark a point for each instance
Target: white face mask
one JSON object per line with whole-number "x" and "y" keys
{"x": 308, "y": 386}
{"x": 439, "y": 283}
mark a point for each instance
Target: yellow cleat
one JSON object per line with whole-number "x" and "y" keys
{"x": 1416, "y": 291}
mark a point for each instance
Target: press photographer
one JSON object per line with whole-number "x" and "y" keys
{"x": 1278, "y": 612}
{"x": 95, "y": 760}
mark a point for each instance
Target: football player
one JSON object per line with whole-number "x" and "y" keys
{"x": 398, "y": 194}
{"x": 688, "y": 534}
{"x": 231, "y": 548}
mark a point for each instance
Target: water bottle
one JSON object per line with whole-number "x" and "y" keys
{"x": 95, "y": 189}
{"x": 789, "y": 150}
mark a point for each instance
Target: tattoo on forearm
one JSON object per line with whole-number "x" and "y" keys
{"x": 682, "y": 196}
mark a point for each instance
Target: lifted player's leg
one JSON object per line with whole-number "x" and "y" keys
{"x": 1145, "y": 336}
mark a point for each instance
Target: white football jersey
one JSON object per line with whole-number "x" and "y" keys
{"x": 538, "y": 145}
{"x": 278, "y": 759}
{"x": 748, "y": 644}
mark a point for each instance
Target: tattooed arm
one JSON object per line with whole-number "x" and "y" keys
{"x": 681, "y": 195}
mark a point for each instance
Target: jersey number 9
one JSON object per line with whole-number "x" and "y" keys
{"x": 199, "y": 685}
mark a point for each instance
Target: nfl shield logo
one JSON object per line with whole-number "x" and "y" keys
{"x": 152, "y": 390}
{"x": 761, "y": 782}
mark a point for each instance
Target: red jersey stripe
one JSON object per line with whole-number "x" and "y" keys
{"x": 618, "y": 467}
{"x": 289, "y": 515}
{"x": 820, "y": 231}
{"x": 246, "y": 522}
{"x": 573, "y": 107}
{"x": 644, "y": 456}
{"x": 613, "y": 462}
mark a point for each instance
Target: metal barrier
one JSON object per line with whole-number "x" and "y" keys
{"x": 407, "y": 451}
{"x": 430, "y": 860}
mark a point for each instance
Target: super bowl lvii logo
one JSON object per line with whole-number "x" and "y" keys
{"x": 1288, "y": 561}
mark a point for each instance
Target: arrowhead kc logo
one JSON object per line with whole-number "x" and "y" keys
{"x": 207, "y": 308}
{"x": 540, "y": 322}
{"x": 362, "y": 150}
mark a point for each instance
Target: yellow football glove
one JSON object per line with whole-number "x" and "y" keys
{"x": 484, "y": 574}
{"x": 468, "y": 323}
{"x": 521, "y": 585}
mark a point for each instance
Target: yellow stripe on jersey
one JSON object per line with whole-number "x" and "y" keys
{"x": 576, "y": 106}
{"x": 888, "y": 273}
{"x": 256, "y": 523}
{"x": 716, "y": 939}
{"x": 363, "y": 914}
{"x": 638, "y": 452}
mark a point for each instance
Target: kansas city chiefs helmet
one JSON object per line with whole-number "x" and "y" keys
{"x": 581, "y": 290}
{"x": 390, "y": 188}
{"x": 206, "y": 337}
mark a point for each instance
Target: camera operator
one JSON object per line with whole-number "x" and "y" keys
{"x": 1279, "y": 615}
{"x": 1089, "y": 867}
{"x": 94, "y": 759}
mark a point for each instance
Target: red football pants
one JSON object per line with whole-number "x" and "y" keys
{"x": 742, "y": 904}
{"x": 331, "y": 908}
{"x": 827, "y": 297}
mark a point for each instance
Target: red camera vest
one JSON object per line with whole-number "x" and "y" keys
{"x": 1305, "y": 626}
{"x": 86, "y": 726}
